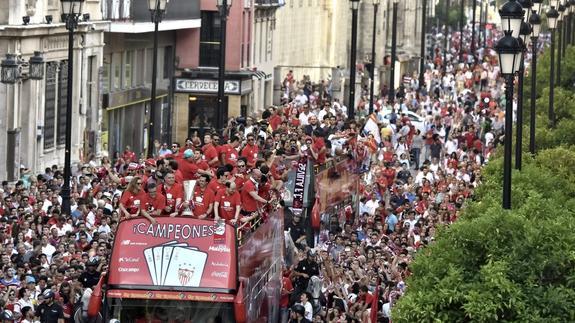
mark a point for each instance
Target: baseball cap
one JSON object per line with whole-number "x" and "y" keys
{"x": 188, "y": 153}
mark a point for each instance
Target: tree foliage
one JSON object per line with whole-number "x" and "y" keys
{"x": 495, "y": 265}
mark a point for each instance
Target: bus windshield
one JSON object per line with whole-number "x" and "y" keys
{"x": 170, "y": 311}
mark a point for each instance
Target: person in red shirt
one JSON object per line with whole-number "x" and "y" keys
{"x": 219, "y": 183}
{"x": 227, "y": 204}
{"x": 174, "y": 193}
{"x": 240, "y": 173}
{"x": 134, "y": 199}
{"x": 249, "y": 194}
{"x": 191, "y": 165}
{"x": 318, "y": 149}
{"x": 203, "y": 198}
{"x": 210, "y": 152}
{"x": 128, "y": 155}
{"x": 156, "y": 203}
{"x": 229, "y": 153}
{"x": 251, "y": 150}
{"x": 276, "y": 119}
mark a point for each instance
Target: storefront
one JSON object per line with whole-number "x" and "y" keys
{"x": 196, "y": 103}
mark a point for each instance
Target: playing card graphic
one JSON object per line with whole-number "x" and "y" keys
{"x": 186, "y": 267}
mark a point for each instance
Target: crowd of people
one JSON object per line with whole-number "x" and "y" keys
{"x": 412, "y": 182}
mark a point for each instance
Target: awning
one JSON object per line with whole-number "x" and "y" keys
{"x": 259, "y": 75}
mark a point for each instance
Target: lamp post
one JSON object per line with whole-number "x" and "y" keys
{"x": 10, "y": 68}
{"x": 473, "y": 14}
{"x": 524, "y": 33}
{"x": 71, "y": 11}
{"x": 561, "y": 10}
{"x": 567, "y": 24}
{"x": 354, "y": 5}
{"x": 224, "y": 10}
{"x": 509, "y": 50}
{"x": 372, "y": 72}
{"x": 552, "y": 15}
{"x": 535, "y": 22}
{"x": 446, "y": 32}
{"x": 572, "y": 34}
{"x": 157, "y": 9}
{"x": 393, "y": 52}
{"x": 461, "y": 18}
{"x": 422, "y": 49}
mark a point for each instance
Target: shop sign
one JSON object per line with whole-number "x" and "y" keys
{"x": 206, "y": 86}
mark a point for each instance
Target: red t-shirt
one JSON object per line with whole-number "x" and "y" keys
{"x": 172, "y": 193}
{"x": 228, "y": 204}
{"x": 318, "y": 145}
{"x": 188, "y": 169}
{"x": 230, "y": 154}
{"x": 210, "y": 152}
{"x": 201, "y": 200}
{"x": 158, "y": 203}
{"x": 133, "y": 201}
{"x": 249, "y": 204}
{"x": 287, "y": 288}
{"x": 215, "y": 186}
{"x": 250, "y": 152}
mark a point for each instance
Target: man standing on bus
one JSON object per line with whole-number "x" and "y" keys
{"x": 227, "y": 204}
{"x": 249, "y": 194}
{"x": 133, "y": 201}
{"x": 202, "y": 198}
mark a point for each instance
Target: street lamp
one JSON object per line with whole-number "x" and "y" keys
{"x": 572, "y": 34}
{"x": 224, "y": 7}
{"x": 393, "y": 52}
{"x": 511, "y": 16}
{"x": 552, "y": 16}
{"x": 509, "y": 50}
{"x": 474, "y": 13}
{"x": 537, "y": 6}
{"x": 157, "y": 9}
{"x": 446, "y": 31}
{"x": 11, "y": 74}
{"x": 71, "y": 11}
{"x": 560, "y": 24}
{"x": 567, "y": 26}
{"x": 354, "y": 5}
{"x": 372, "y": 72}
{"x": 422, "y": 49}
{"x": 524, "y": 33}
{"x": 535, "y": 22}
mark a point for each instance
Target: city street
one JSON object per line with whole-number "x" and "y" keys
{"x": 287, "y": 161}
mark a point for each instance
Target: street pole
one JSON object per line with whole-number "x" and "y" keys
{"x": 485, "y": 24}
{"x": 222, "y": 66}
{"x": 519, "y": 131}
{"x": 372, "y": 72}
{"x": 533, "y": 96}
{"x": 71, "y": 23}
{"x": 552, "y": 81}
{"x": 461, "y": 18}
{"x": 481, "y": 23}
{"x": 156, "y": 21}
{"x": 393, "y": 53}
{"x": 474, "y": 10}
{"x": 352, "y": 63}
{"x": 560, "y": 40}
{"x": 446, "y": 31}
{"x": 422, "y": 50}
{"x": 508, "y": 142}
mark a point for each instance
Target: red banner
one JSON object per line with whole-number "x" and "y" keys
{"x": 176, "y": 296}
{"x": 175, "y": 253}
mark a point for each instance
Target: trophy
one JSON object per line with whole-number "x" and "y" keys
{"x": 188, "y": 195}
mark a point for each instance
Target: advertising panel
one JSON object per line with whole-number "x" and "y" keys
{"x": 335, "y": 185}
{"x": 173, "y": 254}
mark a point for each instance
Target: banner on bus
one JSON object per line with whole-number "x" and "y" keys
{"x": 174, "y": 253}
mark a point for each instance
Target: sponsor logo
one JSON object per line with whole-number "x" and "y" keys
{"x": 220, "y": 274}
{"x": 219, "y": 264}
{"x": 128, "y": 270}
{"x": 130, "y": 243}
{"x": 128, "y": 259}
{"x": 220, "y": 248}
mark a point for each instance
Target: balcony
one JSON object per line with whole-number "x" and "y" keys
{"x": 132, "y": 16}
{"x": 264, "y": 4}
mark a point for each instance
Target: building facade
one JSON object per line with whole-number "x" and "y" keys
{"x": 33, "y": 112}
{"x": 126, "y": 73}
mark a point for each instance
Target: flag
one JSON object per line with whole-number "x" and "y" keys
{"x": 372, "y": 127}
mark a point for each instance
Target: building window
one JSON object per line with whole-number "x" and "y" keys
{"x": 62, "y": 100}
{"x": 50, "y": 105}
{"x": 91, "y": 67}
{"x": 117, "y": 71}
{"x": 128, "y": 69}
{"x": 168, "y": 61}
{"x": 106, "y": 73}
{"x": 210, "y": 39}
